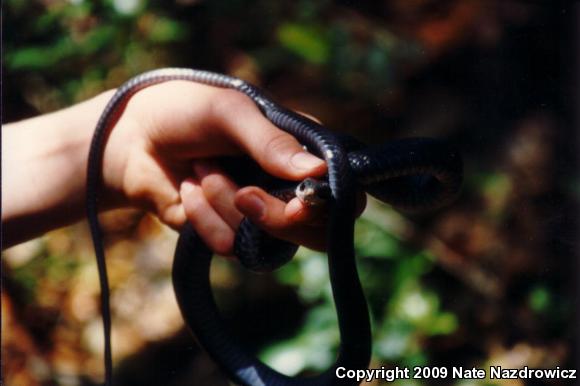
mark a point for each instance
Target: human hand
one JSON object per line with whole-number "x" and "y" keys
{"x": 159, "y": 155}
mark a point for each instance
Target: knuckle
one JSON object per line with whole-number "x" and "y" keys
{"x": 214, "y": 185}
{"x": 195, "y": 206}
{"x": 173, "y": 216}
{"x": 138, "y": 182}
{"x": 230, "y": 103}
{"x": 277, "y": 146}
{"x": 139, "y": 192}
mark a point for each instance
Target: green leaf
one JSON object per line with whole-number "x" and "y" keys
{"x": 443, "y": 324}
{"x": 97, "y": 39}
{"x": 43, "y": 57}
{"x": 31, "y": 58}
{"x": 166, "y": 30}
{"x": 539, "y": 299}
{"x": 307, "y": 42}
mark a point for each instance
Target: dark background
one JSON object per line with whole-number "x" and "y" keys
{"x": 487, "y": 281}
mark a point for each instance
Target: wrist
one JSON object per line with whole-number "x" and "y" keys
{"x": 111, "y": 194}
{"x": 44, "y": 172}
{"x": 78, "y": 124}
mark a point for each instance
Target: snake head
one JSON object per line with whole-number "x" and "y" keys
{"x": 313, "y": 192}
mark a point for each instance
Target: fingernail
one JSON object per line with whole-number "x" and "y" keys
{"x": 306, "y": 161}
{"x": 252, "y": 206}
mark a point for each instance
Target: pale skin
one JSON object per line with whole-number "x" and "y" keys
{"x": 159, "y": 157}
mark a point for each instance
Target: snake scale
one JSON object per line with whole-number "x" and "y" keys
{"x": 413, "y": 174}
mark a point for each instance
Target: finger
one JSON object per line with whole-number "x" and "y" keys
{"x": 219, "y": 191}
{"x": 300, "y": 213}
{"x": 275, "y": 150}
{"x": 262, "y": 209}
{"x": 150, "y": 184}
{"x": 268, "y": 213}
{"x": 216, "y": 233}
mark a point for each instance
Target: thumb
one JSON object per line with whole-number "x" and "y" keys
{"x": 276, "y": 151}
{"x": 280, "y": 154}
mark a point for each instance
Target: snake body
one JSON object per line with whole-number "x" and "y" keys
{"x": 414, "y": 174}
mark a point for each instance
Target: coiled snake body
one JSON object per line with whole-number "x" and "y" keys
{"x": 413, "y": 174}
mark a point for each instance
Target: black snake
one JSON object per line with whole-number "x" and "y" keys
{"x": 413, "y": 174}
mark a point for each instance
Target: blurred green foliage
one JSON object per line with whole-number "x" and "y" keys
{"x": 307, "y": 42}
{"x": 71, "y": 50}
{"x": 54, "y": 269}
